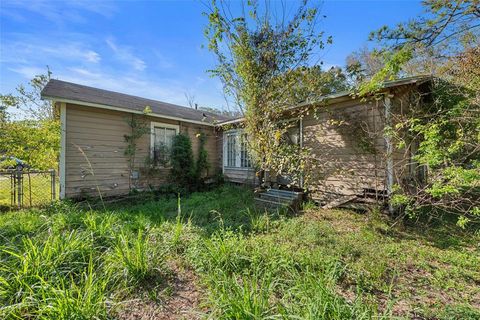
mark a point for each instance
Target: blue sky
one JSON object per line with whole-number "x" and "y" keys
{"x": 150, "y": 48}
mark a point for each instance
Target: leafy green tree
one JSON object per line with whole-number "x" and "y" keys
{"x": 35, "y": 142}
{"x": 36, "y": 138}
{"x": 448, "y": 127}
{"x": 268, "y": 62}
{"x": 28, "y": 101}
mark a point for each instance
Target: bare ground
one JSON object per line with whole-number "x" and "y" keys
{"x": 179, "y": 300}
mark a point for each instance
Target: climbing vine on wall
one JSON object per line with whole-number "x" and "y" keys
{"x": 138, "y": 127}
{"x": 265, "y": 67}
{"x": 202, "y": 164}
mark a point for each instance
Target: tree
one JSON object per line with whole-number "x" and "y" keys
{"x": 268, "y": 62}
{"x": 190, "y": 99}
{"x": 35, "y": 142}
{"x": 363, "y": 64}
{"x": 228, "y": 113}
{"x": 448, "y": 127}
{"x": 29, "y": 101}
{"x": 35, "y": 139}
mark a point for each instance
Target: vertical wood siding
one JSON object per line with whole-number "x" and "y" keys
{"x": 347, "y": 149}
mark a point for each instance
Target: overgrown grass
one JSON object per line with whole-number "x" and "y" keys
{"x": 67, "y": 263}
{"x": 37, "y": 190}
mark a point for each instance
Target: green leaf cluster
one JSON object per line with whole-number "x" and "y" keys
{"x": 35, "y": 142}
{"x": 182, "y": 163}
{"x": 265, "y": 65}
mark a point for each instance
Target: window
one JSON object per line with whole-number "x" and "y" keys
{"x": 231, "y": 150}
{"x": 161, "y": 142}
{"x": 244, "y": 158}
{"x": 236, "y": 150}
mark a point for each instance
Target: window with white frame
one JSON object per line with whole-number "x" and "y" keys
{"x": 161, "y": 141}
{"x": 231, "y": 149}
{"x": 236, "y": 149}
{"x": 244, "y": 158}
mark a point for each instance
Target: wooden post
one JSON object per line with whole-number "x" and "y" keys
{"x": 52, "y": 176}
{"x": 301, "y": 148}
{"x": 389, "y": 152}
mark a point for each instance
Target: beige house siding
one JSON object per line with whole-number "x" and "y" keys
{"x": 95, "y": 146}
{"x": 347, "y": 148}
{"x": 346, "y": 139}
{"x": 404, "y": 147}
{"x": 241, "y": 175}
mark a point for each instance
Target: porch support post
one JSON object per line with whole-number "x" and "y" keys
{"x": 301, "y": 148}
{"x": 389, "y": 151}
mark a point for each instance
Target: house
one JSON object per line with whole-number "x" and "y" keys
{"x": 345, "y": 134}
{"x": 93, "y": 125}
{"x": 352, "y": 157}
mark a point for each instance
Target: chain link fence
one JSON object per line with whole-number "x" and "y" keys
{"x": 27, "y": 188}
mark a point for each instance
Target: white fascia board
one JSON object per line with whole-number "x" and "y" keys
{"x": 63, "y": 150}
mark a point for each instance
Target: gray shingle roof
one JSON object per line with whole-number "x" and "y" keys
{"x": 57, "y": 89}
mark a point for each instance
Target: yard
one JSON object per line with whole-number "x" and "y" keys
{"x": 210, "y": 255}
{"x": 37, "y": 189}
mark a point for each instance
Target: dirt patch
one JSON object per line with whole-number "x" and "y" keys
{"x": 341, "y": 221}
{"x": 179, "y": 300}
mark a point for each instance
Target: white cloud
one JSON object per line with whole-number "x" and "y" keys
{"x": 22, "y": 48}
{"x": 92, "y": 56}
{"x": 28, "y": 72}
{"x": 123, "y": 53}
{"x": 58, "y": 12}
{"x": 101, "y": 63}
{"x": 166, "y": 90}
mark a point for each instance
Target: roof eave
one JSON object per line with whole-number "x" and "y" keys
{"x": 114, "y": 108}
{"x": 232, "y": 121}
{"x": 349, "y": 95}
{"x": 346, "y": 96}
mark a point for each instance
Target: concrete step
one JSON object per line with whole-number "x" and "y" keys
{"x": 267, "y": 204}
{"x": 279, "y": 199}
{"x": 285, "y": 193}
{"x": 276, "y": 197}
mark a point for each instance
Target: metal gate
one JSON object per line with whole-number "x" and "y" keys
{"x": 27, "y": 188}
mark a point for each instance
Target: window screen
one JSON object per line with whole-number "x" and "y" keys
{"x": 162, "y": 145}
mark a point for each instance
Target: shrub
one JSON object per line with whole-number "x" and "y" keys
{"x": 181, "y": 158}
{"x": 202, "y": 164}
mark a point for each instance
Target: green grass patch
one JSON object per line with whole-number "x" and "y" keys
{"x": 37, "y": 190}
{"x": 63, "y": 262}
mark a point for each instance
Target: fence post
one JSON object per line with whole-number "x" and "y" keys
{"x": 52, "y": 176}
{"x": 19, "y": 180}
{"x": 13, "y": 185}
